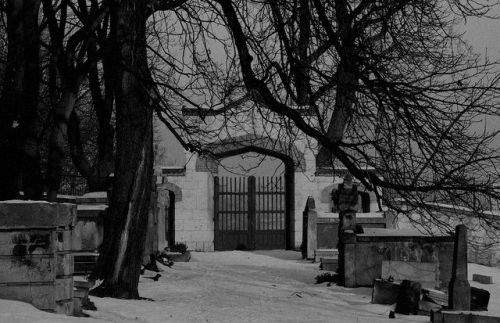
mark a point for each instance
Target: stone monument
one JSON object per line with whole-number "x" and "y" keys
{"x": 459, "y": 289}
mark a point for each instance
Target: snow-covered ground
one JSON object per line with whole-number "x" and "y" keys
{"x": 238, "y": 286}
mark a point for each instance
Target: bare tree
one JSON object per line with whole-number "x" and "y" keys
{"x": 392, "y": 86}
{"x": 120, "y": 258}
{"x": 97, "y": 167}
{"x": 70, "y": 63}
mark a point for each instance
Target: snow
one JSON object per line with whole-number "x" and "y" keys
{"x": 494, "y": 289}
{"x": 335, "y": 215}
{"x": 26, "y": 202}
{"x": 239, "y": 286}
{"x": 95, "y": 195}
{"x": 91, "y": 207}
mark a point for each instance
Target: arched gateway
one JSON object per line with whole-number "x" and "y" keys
{"x": 203, "y": 218}
{"x": 255, "y": 213}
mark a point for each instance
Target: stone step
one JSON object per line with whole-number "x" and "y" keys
{"x": 319, "y": 253}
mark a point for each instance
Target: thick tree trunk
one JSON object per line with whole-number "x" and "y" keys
{"x": 120, "y": 260}
{"x": 19, "y": 145}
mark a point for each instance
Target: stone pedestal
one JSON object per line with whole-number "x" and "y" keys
{"x": 347, "y": 259}
{"x": 347, "y": 221}
{"x": 459, "y": 288}
{"x": 36, "y": 261}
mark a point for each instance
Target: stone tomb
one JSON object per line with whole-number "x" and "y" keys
{"x": 36, "y": 263}
{"x": 400, "y": 253}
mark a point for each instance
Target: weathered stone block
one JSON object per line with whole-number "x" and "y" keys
{"x": 35, "y": 261}
{"x": 28, "y": 214}
{"x": 385, "y": 292}
{"x": 483, "y": 279}
{"x": 457, "y": 317}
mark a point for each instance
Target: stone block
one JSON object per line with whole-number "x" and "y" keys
{"x": 479, "y": 299}
{"x": 483, "y": 279}
{"x": 64, "y": 265}
{"x": 36, "y": 264}
{"x": 65, "y": 307}
{"x": 63, "y": 288}
{"x": 30, "y": 214}
{"x": 435, "y": 296}
{"x": 385, "y": 292}
{"x": 408, "y": 298}
{"x": 23, "y": 242}
{"x": 27, "y": 269}
{"x": 458, "y": 317}
{"x": 64, "y": 241}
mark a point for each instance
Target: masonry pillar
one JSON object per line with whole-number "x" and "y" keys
{"x": 459, "y": 288}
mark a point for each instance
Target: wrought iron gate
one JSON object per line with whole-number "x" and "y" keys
{"x": 249, "y": 213}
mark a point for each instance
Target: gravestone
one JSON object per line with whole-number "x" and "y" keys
{"x": 459, "y": 288}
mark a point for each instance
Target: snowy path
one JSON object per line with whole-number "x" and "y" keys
{"x": 236, "y": 286}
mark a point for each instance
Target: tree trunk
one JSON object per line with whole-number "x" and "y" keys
{"x": 347, "y": 85}
{"x": 120, "y": 259}
{"x": 30, "y": 145}
{"x": 19, "y": 145}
